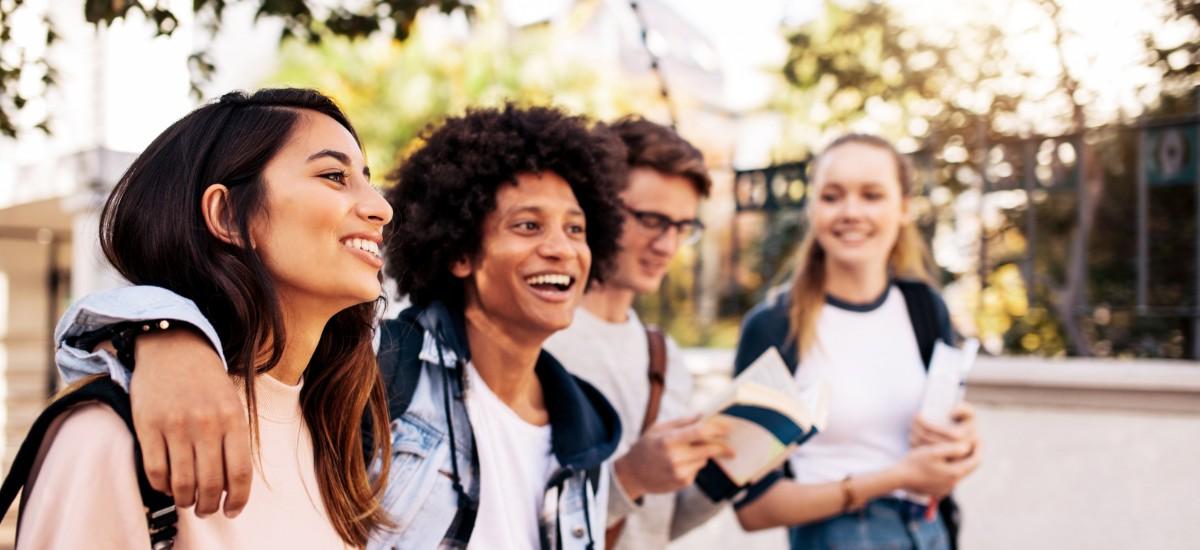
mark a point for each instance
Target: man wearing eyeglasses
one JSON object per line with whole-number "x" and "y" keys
{"x": 651, "y": 496}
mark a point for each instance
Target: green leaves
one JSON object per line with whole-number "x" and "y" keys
{"x": 306, "y": 20}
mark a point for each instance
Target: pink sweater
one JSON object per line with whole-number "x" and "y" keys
{"x": 85, "y": 494}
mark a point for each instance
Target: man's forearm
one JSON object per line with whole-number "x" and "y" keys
{"x": 692, "y": 509}
{"x": 620, "y": 504}
{"x": 134, "y": 303}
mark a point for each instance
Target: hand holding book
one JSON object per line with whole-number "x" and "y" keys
{"x": 666, "y": 458}
{"x": 944, "y": 419}
{"x": 768, "y": 415}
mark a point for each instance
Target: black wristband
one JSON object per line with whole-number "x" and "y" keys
{"x": 123, "y": 336}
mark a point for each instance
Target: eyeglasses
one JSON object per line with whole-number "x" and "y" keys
{"x": 689, "y": 231}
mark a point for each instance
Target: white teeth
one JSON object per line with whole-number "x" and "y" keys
{"x": 363, "y": 244}
{"x": 549, "y": 279}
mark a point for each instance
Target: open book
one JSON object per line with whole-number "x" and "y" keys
{"x": 769, "y": 415}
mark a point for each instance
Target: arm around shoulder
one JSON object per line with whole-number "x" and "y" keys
{"x": 131, "y": 303}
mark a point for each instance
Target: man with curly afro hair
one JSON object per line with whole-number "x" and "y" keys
{"x": 502, "y": 219}
{"x": 652, "y": 497}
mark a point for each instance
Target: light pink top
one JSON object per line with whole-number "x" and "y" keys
{"x": 85, "y": 493}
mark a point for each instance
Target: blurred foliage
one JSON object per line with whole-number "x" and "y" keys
{"x": 961, "y": 101}
{"x": 393, "y": 90}
{"x": 27, "y": 72}
{"x": 1179, "y": 61}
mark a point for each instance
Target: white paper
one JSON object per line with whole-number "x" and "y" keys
{"x": 946, "y": 380}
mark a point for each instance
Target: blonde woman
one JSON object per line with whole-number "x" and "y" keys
{"x": 861, "y": 313}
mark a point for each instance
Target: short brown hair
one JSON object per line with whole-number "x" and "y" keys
{"x": 654, "y": 146}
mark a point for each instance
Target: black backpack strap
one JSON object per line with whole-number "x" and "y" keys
{"x": 923, "y": 314}
{"x": 399, "y": 362}
{"x": 931, "y": 322}
{"x": 399, "y": 374}
{"x": 160, "y": 508}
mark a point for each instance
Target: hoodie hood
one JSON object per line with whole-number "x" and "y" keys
{"x": 584, "y": 427}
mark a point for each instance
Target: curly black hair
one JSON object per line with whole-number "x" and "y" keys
{"x": 444, "y": 190}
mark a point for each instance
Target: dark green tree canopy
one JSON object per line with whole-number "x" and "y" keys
{"x": 302, "y": 19}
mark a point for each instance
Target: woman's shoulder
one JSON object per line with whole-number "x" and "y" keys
{"x": 92, "y": 429}
{"x": 88, "y": 454}
{"x": 765, "y": 325}
{"x": 772, "y": 312}
{"x": 936, "y": 312}
{"x": 921, "y": 289}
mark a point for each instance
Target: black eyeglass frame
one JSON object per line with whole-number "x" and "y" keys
{"x": 689, "y": 230}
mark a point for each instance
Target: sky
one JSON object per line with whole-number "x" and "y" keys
{"x": 1104, "y": 41}
{"x": 1104, "y": 48}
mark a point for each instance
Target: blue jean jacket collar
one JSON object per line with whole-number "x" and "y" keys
{"x": 584, "y": 427}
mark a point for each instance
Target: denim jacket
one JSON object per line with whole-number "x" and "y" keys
{"x": 433, "y": 485}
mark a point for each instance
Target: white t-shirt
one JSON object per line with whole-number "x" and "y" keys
{"x": 614, "y": 357}
{"x": 869, "y": 356}
{"x": 515, "y": 461}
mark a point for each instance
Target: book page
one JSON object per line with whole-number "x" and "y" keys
{"x": 768, "y": 412}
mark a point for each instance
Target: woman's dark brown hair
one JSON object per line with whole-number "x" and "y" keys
{"x": 152, "y": 230}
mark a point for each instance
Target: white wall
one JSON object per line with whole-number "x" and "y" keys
{"x": 1061, "y": 469}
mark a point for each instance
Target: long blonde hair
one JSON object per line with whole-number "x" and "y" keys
{"x": 909, "y": 259}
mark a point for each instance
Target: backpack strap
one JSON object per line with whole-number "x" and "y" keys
{"x": 931, "y": 323}
{"x": 400, "y": 367}
{"x": 923, "y": 314}
{"x": 656, "y": 373}
{"x": 160, "y": 508}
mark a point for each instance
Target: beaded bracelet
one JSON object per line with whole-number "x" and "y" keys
{"x": 847, "y": 495}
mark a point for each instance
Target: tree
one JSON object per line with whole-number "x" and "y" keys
{"x": 393, "y": 90}
{"x": 303, "y": 19}
{"x": 956, "y": 93}
{"x": 1180, "y": 60}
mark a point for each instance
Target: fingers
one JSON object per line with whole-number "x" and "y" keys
{"x": 704, "y": 451}
{"x": 700, "y": 433}
{"x": 238, "y": 469}
{"x": 154, "y": 460}
{"x": 674, "y": 424}
{"x": 210, "y": 475}
{"x": 949, "y": 451}
{"x": 181, "y": 458}
{"x": 937, "y": 432}
{"x": 685, "y": 470}
{"x": 969, "y": 462}
{"x": 963, "y": 413}
{"x": 919, "y": 436}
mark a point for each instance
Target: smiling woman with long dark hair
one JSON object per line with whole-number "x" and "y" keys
{"x": 259, "y": 209}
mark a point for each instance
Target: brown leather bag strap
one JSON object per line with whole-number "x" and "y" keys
{"x": 657, "y": 375}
